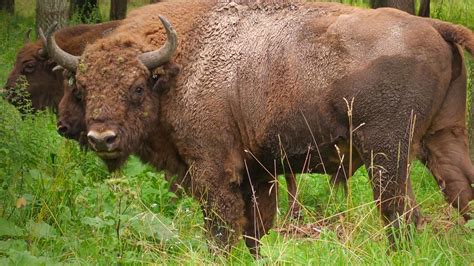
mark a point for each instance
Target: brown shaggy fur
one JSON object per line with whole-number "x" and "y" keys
{"x": 45, "y": 86}
{"x": 262, "y": 91}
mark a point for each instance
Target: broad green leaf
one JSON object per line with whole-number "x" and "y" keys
{"x": 12, "y": 244}
{"x": 25, "y": 258}
{"x": 41, "y": 230}
{"x": 35, "y": 173}
{"x": 65, "y": 214}
{"x": 134, "y": 167}
{"x": 7, "y": 228}
{"x": 153, "y": 226}
{"x": 470, "y": 224}
{"x": 96, "y": 222}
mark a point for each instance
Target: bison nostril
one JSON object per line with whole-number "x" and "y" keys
{"x": 110, "y": 139}
{"x": 62, "y": 130}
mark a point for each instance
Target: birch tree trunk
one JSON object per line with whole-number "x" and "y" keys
{"x": 471, "y": 122}
{"x": 49, "y": 11}
{"x": 424, "y": 8}
{"x": 118, "y": 9}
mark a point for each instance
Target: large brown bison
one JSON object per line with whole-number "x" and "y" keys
{"x": 267, "y": 89}
{"x": 71, "y": 124}
{"x": 45, "y": 86}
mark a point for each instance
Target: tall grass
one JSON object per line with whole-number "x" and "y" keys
{"x": 59, "y": 204}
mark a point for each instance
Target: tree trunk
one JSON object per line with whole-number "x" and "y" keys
{"x": 471, "y": 134}
{"x": 470, "y": 72}
{"x": 154, "y": 1}
{"x": 8, "y": 6}
{"x": 49, "y": 11}
{"x": 118, "y": 9}
{"x": 86, "y": 10}
{"x": 405, "y": 5}
{"x": 424, "y": 8}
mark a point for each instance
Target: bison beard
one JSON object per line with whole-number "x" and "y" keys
{"x": 265, "y": 84}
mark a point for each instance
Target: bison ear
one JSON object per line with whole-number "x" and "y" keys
{"x": 172, "y": 69}
{"x": 42, "y": 53}
{"x": 159, "y": 84}
{"x": 164, "y": 77}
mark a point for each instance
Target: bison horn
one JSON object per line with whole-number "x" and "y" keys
{"x": 27, "y": 36}
{"x": 61, "y": 57}
{"x": 57, "y": 68}
{"x": 157, "y": 58}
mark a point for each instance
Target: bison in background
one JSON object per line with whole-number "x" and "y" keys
{"x": 266, "y": 89}
{"x": 45, "y": 86}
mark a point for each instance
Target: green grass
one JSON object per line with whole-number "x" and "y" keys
{"x": 76, "y": 212}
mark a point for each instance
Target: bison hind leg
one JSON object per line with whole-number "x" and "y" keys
{"x": 448, "y": 161}
{"x": 386, "y": 160}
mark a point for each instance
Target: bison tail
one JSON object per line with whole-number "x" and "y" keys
{"x": 455, "y": 33}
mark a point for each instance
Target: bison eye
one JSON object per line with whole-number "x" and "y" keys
{"x": 136, "y": 95}
{"x": 77, "y": 94}
{"x": 29, "y": 68}
{"x": 139, "y": 90}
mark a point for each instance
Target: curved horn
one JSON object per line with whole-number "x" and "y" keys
{"x": 43, "y": 51}
{"x": 27, "y": 36}
{"x": 157, "y": 58}
{"x": 61, "y": 57}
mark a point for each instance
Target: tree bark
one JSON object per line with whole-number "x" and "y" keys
{"x": 471, "y": 124}
{"x": 405, "y": 5}
{"x": 118, "y": 9}
{"x": 471, "y": 136}
{"x": 49, "y": 11}
{"x": 85, "y": 10}
{"x": 8, "y": 6}
{"x": 424, "y": 8}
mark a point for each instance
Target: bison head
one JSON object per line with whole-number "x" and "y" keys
{"x": 43, "y": 87}
{"x": 71, "y": 114}
{"x": 117, "y": 91}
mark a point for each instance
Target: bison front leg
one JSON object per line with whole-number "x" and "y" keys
{"x": 295, "y": 207}
{"x": 222, "y": 205}
{"x": 260, "y": 209}
{"x": 387, "y": 164}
